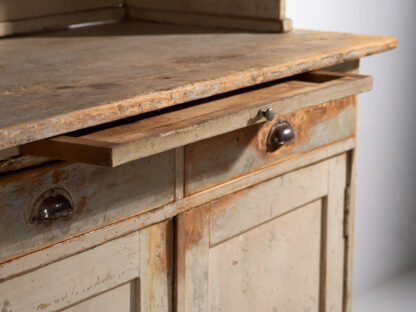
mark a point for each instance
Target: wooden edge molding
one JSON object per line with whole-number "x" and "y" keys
{"x": 51, "y": 253}
{"x": 107, "y": 151}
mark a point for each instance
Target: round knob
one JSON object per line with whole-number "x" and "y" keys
{"x": 53, "y": 204}
{"x": 280, "y": 134}
{"x": 268, "y": 114}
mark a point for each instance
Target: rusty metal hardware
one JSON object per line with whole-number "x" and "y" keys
{"x": 280, "y": 133}
{"x": 268, "y": 114}
{"x": 52, "y": 204}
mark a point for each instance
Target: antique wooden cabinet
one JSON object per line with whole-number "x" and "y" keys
{"x": 179, "y": 156}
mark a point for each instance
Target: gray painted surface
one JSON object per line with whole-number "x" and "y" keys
{"x": 386, "y": 178}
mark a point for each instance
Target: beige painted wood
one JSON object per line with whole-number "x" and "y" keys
{"x": 236, "y": 153}
{"x": 95, "y": 82}
{"x": 131, "y": 273}
{"x": 120, "y": 144}
{"x": 60, "y": 21}
{"x": 268, "y": 9}
{"x": 71, "y": 280}
{"x": 100, "y": 196}
{"x": 241, "y": 224}
{"x": 211, "y": 20}
{"x": 120, "y": 299}
{"x": 84, "y": 241}
{"x": 261, "y": 203}
{"x": 349, "y": 230}
{"x": 179, "y": 173}
{"x": 24, "y": 9}
{"x": 273, "y": 267}
{"x": 334, "y": 250}
{"x": 156, "y": 267}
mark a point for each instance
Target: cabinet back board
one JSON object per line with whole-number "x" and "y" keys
{"x": 25, "y": 16}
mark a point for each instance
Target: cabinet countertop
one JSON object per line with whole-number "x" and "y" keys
{"x": 57, "y": 82}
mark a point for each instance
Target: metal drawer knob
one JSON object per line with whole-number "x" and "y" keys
{"x": 280, "y": 134}
{"x": 51, "y": 205}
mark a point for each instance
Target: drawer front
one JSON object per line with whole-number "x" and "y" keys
{"x": 99, "y": 196}
{"x": 216, "y": 160}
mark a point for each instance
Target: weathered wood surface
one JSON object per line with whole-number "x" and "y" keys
{"x": 260, "y": 15}
{"x": 11, "y": 10}
{"x": 123, "y": 143}
{"x": 210, "y": 20}
{"x": 67, "y": 282}
{"x": 73, "y": 245}
{"x": 100, "y": 196}
{"x": 304, "y": 256}
{"x": 131, "y": 273}
{"x": 84, "y": 77}
{"x": 273, "y": 267}
{"x": 59, "y": 22}
{"x": 225, "y": 157}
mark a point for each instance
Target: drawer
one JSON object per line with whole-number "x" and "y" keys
{"x": 98, "y": 196}
{"x": 134, "y": 138}
{"x": 228, "y": 156}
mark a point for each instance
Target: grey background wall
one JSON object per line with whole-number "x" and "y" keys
{"x": 386, "y": 179}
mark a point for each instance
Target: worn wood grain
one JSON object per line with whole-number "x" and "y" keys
{"x": 237, "y": 213}
{"x": 211, "y": 20}
{"x": 156, "y": 268}
{"x": 84, "y": 77}
{"x": 120, "y": 144}
{"x": 11, "y": 10}
{"x": 59, "y": 22}
{"x": 249, "y": 228}
{"x": 273, "y": 267}
{"x": 100, "y": 196}
{"x": 228, "y": 156}
{"x": 73, "y": 245}
{"x": 74, "y": 279}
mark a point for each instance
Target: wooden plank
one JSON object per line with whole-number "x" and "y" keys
{"x": 273, "y": 267}
{"x": 233, "y": 154}
{"x": 100, "y": 196}
{"x": 72, "y": 245}
{"x": 156, "y": 265}
{"x": 334, "y": 247}
{"x": 95, "y": 82}
{"x": 271, "y": 199}
{"x": 179, "y": 173}
{"x": 58, "y": 22}
{"x": 11, "y": 10}
{"x": 267, "y": 9}
{"x": 349, "y": 229}
{"x": 210, "y": 20}
{"x": 74, "y": 279}
{"x": 192, "y": 260}
{"x": 120, "y": 144}
{"x": 120, "y": 299}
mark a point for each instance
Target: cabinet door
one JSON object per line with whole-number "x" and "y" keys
{"x": 275, "y": 246}
{"x": 131, "y": 273}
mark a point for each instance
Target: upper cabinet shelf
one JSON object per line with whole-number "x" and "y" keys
{"x": 57, "y": 82}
